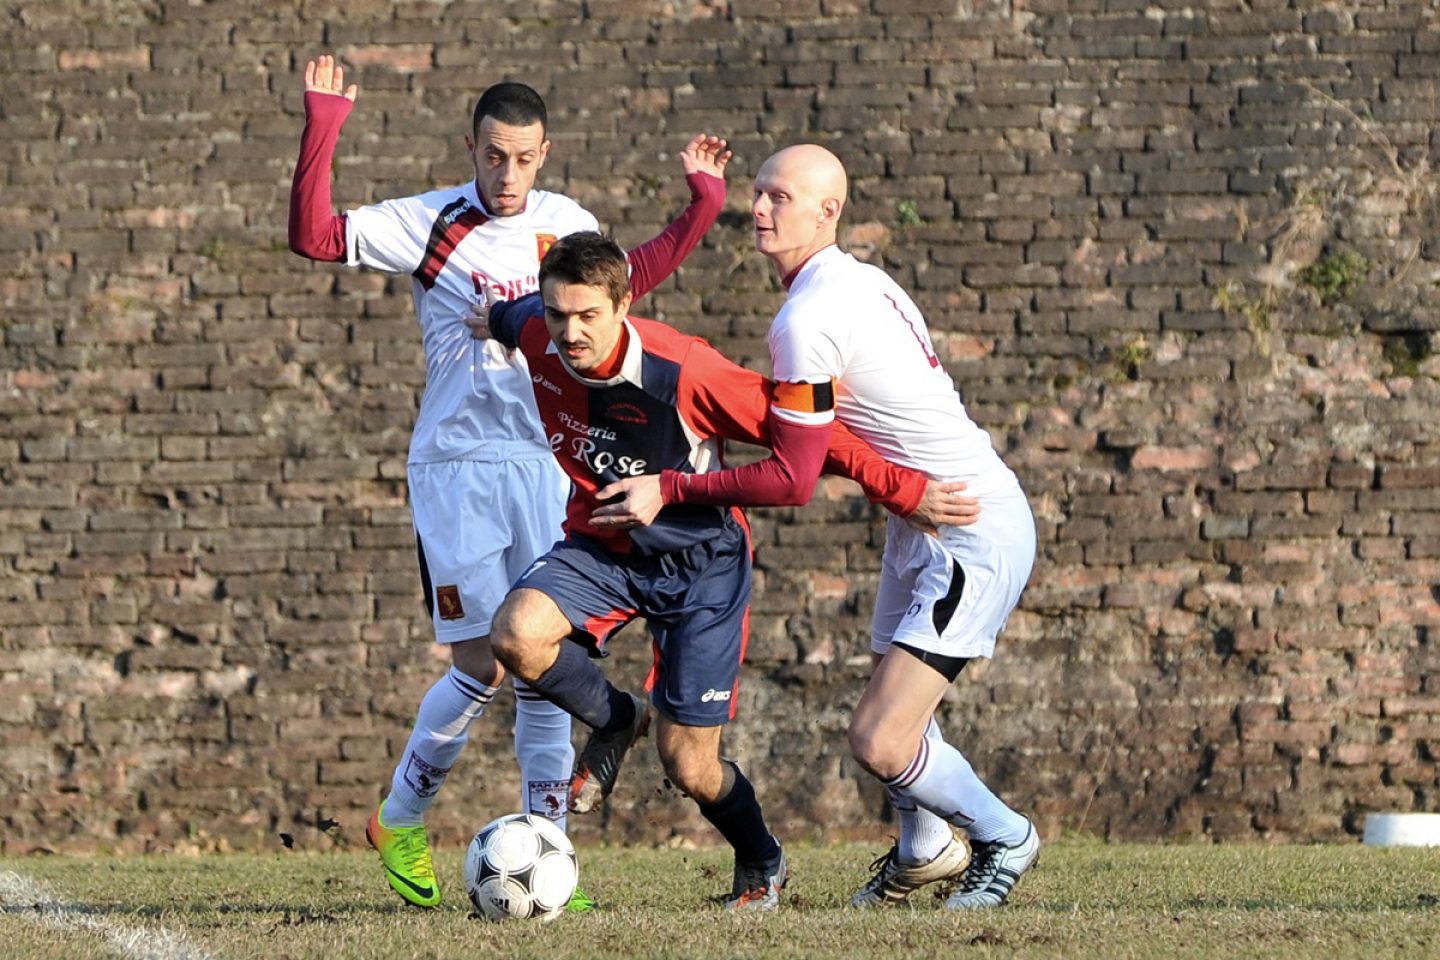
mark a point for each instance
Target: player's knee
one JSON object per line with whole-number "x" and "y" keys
{"x": 507, "y": 639}
{"x": 875, "y": 753}
{"x": 690, "y": 772}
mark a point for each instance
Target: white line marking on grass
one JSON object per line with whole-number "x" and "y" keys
{"x": 28, "y": 899}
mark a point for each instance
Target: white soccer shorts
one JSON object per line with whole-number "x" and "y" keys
{"x": 479, "y": 526}
{"x": 952, "y": 594}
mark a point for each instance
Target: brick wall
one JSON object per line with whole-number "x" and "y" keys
{"x": 1136, "y": 228}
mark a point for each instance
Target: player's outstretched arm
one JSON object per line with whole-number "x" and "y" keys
{"x": 314, "y": 230}
{"x": 704, "y": 160}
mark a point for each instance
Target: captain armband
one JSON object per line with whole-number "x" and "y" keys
{"x": 805, "y": 398}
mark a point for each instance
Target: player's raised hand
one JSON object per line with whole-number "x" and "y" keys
{"x": 638, "y": 504}
{"x": 944, "y": 504}
{"x": 324, "y": 75}
{"x": 705, "y": 154}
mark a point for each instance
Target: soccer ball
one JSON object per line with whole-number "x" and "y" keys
{"x": 521, "y": 867}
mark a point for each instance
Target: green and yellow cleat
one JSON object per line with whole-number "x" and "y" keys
{"x": 405, "y": 851}
{"x": 581, "y": 902}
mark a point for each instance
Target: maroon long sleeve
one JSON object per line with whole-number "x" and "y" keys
{"x": 315, "y": 230}
{"x": 786, "y": 478}
{"x": 657, "y": 258}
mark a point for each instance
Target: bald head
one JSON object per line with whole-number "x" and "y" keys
{"x": 799, "y": 195}
{"x": 812, "y": 168}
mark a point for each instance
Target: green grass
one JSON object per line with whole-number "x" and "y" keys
{"x": 1086, "y": 899}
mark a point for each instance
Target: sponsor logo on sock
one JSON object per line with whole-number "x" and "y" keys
{"x": 548, "y": 797}
{"x": 424, "y": 778}
{"x": 718, "y": 696}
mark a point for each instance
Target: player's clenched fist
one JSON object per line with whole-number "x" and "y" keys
{"x": 324, "y": 75}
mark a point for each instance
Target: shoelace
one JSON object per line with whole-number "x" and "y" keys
{"x": 982, "y": 867}
{"x": 886, "y": 864}
{"x": 412, "y": 851}
{"x": 755, "y": 878}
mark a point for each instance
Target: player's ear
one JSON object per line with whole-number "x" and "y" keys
{"x": 623, "y": 307}
{"x": 544, "y": 152}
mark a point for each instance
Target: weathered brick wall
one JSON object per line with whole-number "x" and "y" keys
{"x": 1127, "y": 223}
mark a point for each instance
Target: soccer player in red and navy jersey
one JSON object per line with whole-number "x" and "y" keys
{"x": 624, "y": 397}
{"x": 485, "y": 494}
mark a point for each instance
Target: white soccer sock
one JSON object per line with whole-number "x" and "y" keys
{"x": 923, "y": 835}
{"x": 542, "y": 745}
{"x": 941, "y": 780}
{"x": 442, "y": 726}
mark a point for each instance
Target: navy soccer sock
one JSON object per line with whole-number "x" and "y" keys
{"x": 576, "y": 684}
{"x": 738, "y": 817}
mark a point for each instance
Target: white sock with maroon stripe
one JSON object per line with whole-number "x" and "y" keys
{"x": 442, "y": 726}
{"x": 942, "y": 781}
{"x": 923, "y": 835}
{"x": 542, "y": 745}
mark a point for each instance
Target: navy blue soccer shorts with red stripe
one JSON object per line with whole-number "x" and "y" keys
{"x": 696, "y": 602}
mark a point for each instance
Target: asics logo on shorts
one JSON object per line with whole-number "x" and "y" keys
{"x": 718, "y": 696}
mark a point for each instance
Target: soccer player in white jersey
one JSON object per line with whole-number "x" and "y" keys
{"x": 849, "y": 343}
{"x": 486, "y": 495}
{"x": 943, "y": 598}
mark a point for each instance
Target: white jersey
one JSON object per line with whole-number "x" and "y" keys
{"x": 849, "y": 322}
{"x": 478, "y": 403}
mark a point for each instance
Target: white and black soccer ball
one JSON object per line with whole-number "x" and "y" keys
{"x": 521, "y": 867}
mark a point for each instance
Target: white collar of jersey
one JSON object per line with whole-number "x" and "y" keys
{"x": 808, "y": 269}
{"x": 629, "y": 367}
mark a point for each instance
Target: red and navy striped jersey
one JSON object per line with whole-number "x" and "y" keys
{"x": 670, "y": 406}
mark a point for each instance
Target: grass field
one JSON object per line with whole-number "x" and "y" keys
{"x": 1086, "y": 899}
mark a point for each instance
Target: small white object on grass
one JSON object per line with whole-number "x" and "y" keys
{"x": 1402, "y": 830}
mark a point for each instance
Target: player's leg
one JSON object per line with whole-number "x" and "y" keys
{"x": 926, "y": 850}
{"x": 442, "y": 724}
{"x": 726, "y": 798}
{"x": 460, "y": 537}
{"x": 542, "y": 729}
{"x": 964, "y": 591}
{"x": 700, "y": 641}
{"x": 574, "y": 592}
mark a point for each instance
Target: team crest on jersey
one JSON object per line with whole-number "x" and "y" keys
{"x": 448, "y": 600}
{"x": 543, "y": 243}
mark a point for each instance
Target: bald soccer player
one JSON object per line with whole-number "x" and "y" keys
{"x": 850, "y": 343}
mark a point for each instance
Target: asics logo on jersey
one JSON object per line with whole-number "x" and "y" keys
{"x": 719, "y": 696}
{"x": 580, "y": 426}
{"x": 456, "y": 211}
{"x": 552, "y": 387}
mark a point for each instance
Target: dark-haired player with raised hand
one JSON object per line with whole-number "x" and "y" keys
{"x": 485, "y": 495}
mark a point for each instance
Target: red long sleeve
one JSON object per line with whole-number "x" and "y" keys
{"x": 724, "y": 399}
{"x": 657, "y": 258}
{"x": 786, "y": 478}
{"x": 897, "y": 489}
{"x": 315, "y": 231}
